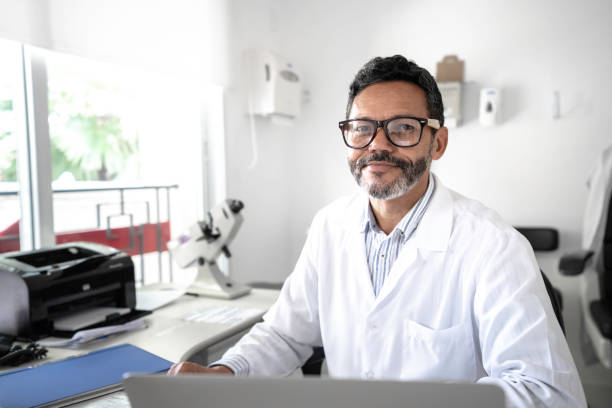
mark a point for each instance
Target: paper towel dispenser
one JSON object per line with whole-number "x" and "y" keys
{"x": 274, "y": 85}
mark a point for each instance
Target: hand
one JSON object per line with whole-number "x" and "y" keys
{"x": 193, "y": 368}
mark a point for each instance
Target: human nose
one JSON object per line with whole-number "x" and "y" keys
{"x": 380, "y": 142}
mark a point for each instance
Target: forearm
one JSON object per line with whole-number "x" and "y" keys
{"x": 265, "y": 351}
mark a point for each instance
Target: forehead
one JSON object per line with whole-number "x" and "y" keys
{"x": 387, "y": 99}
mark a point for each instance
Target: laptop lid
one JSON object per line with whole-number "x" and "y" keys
{"x": 270, "y": 392}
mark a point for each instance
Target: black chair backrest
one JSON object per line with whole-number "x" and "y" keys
{"x": 541, "y": 239}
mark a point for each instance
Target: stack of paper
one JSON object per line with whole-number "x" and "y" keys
{"x": 85, "y": 336}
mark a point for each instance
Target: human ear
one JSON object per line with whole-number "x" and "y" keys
{"x": 440, "y": 142}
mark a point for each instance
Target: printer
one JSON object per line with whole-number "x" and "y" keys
{"x": 37, "y": 288}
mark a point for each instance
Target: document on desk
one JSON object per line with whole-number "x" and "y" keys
{"x": 221, "y": 315}
{"x": 85, "y": 336}
{"x": 65, "y": 382}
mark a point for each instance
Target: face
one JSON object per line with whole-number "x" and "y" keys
{"x": 386, "y": 171}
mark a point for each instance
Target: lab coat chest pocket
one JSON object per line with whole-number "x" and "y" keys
{"x": 446, "y": 354}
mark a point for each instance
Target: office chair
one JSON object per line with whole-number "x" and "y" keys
{"x": 594, "y": 264}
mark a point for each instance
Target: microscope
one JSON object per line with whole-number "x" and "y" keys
{"x": 204, "y": 243}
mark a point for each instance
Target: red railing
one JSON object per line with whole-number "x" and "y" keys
{"x": 135, "y": 239}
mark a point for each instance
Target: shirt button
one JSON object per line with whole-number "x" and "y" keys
{"x": 382, "y": 255}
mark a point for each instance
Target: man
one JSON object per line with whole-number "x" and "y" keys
{"x": 411, "y": 280}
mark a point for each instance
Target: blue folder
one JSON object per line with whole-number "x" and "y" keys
{"x": 75, "y": 376}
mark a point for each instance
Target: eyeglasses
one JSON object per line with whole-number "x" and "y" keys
{"x": 401, "y": 131}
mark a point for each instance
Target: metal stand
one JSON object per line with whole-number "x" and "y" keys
{"x": 211, "y": 282}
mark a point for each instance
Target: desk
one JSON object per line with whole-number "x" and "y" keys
{"x": 171, "y": 337}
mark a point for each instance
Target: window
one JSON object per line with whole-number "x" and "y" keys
{"x": 10, "y": 55}
{"x": 126, "y": 158}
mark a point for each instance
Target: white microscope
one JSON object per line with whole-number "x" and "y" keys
{"x": 204, "y": 244}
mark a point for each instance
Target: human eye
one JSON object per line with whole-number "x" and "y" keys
{"x": 404, "y": 126}
{"x": 363, "y": 128}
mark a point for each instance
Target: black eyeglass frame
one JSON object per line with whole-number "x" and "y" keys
{"x": 432, "y": 123}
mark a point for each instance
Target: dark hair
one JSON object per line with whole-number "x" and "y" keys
{"x": 398, "y": 68}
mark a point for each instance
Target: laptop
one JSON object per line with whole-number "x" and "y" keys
{"x": 272, "y": 392}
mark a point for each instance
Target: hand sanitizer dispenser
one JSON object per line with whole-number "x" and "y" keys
{"x": 489, "y": 106}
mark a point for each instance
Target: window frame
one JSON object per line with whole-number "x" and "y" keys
{"x": 34, "y": 152}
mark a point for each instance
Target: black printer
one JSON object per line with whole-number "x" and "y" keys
{"x": 37, "y": 287}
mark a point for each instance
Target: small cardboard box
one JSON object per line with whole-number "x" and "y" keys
{"x": 450, "y": 69}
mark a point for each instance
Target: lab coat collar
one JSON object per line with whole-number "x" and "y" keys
{"x": 434, "y": 229}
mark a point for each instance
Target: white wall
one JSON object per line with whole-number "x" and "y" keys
{"x": 179, "y": 37}
{"x": 25, "y": 21}
{"x": 182, "y": 37}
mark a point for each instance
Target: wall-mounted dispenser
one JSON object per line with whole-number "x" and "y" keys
{"x": 274, "y": 85}
{"x": 490, "y": 104}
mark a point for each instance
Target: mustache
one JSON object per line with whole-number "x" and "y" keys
{"x": 382, "y": 156}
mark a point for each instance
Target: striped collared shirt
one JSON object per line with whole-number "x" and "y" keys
{"x": 382, "y": 249}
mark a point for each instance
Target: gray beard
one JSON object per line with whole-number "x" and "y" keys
{"x": 411, "y": 173}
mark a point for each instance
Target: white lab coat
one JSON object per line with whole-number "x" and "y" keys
{"x": 464, "y": 301}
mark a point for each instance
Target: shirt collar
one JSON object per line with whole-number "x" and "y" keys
{"x": 367, "y": 220}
